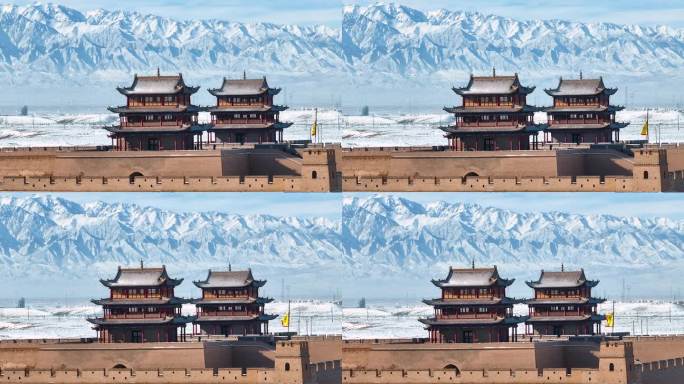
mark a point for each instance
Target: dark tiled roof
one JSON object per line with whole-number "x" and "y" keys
{"x": 141, "y": 277}
{"x": 580, "y": 126}
{"x": 563, "y": 279}
{"x": 493, "y": 85}
{"x": 135, "y": 302}
{"x": 160, "y": 109}
{"x": 263, "y": 317}
{"x": 493, "y": 129}
{"x": 244, "y": 87}
{"x": 180, "y": 320}
{"x": 229, "y": 279}
{"x": 581, "y": 87}
{"x": 250, "y": 300}
{"x": 157, "y": 85}
{"x": 556, "y": 319}
{"x": 480, "y": 301}
{"x": 562, "y": 300}
{"x": 279, "y": 125}
{"x": 158, "y": 129}
{"x": 474, "y": 322}
{"x": 517, "y": 109}
{"x": 472, "y": 277}
{"x": 588, "y": 108}
{"x": 248, "y": 108}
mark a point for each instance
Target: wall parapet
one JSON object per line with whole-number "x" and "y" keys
{"x": 489, "y": 184}
{"x": 158, "y": 184}
{"x": 208, "y": 375}
{"x": 454, "y": 375}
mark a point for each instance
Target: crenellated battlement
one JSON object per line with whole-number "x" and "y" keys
{"x": 523, "y": 376}
{"x": 330, "y": 168}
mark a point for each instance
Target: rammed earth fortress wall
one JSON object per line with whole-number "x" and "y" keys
{"x": 332, "y": 169}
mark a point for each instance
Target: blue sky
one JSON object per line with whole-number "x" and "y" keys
{"x": 653, "y": 12}
{"x": 329, "y": 205}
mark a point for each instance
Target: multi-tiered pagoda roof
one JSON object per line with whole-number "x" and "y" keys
{"x": 158, "y": 85}
{"x": 244, "y": 87}
{"x": 493, "y": 85}
{"x": 230, "y": 299}
{"x": 563, "y": 300}
{"x": 582, "y": 113}
{"x": 473, "y": 301}
{"x": 245, "y": 112}
{"x": 158, "y": 115}
{"x": 141, "y": 300}
{"x": 563, "y": 279}
{"x": 494, "y": 115}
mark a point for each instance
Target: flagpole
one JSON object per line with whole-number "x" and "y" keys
{"x": 289, "y": 336}
{"x": 648, "y": 133}
{"x": 613, "y": 327}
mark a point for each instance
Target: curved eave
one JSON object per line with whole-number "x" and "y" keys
{"x": 557, "y": 93}
{"x": 179, "y": 320}
{"x": 480, "y": 110}
{"x": 527, "y": 90}
{"x": 219, "y": 92}
{"x": 141, "y": 110}
{"x": 224, "y": 319}
{"x": 205, "y": 284}
{"x": 113, "y": 284}
{"x": 530, "y": 128}
{"x": 141, "y": 302}
{"x": 565, "y": 319}
{"x": 126, "y": 91}
{"x": 514, "y": 320}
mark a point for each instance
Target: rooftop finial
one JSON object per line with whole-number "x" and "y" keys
{"x": 581, "y": 75}
{"x": 158, "y": 72}
{"x": 562, "y": 267}
{"x": 141, "y": 264}
{"x": 473, "y": 263}
{"x": 244, "y": 75}
{"x": 494, "y": 71}
{"x": 230, "y": 267}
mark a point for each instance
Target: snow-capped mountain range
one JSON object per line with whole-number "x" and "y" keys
{"x": 379, "y": 237}
{"x": 374, "y": 44}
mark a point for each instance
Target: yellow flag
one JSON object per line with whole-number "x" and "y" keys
{"x": 610, "y": 320}
{"x": 314, "y": 128}
{"x": 285, "y": 321}
{"x": 644, "y": 129}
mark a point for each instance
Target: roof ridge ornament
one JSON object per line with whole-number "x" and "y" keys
{"x": 581, "y": 75}
{"x": 493, "y": 71}
{"x": 158, "y": 72}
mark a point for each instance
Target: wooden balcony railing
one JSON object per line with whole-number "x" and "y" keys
{"x": 142, "y": 315}
{"x": 469, "y": 316}
{"x": 227, "y": 313}
{"x": 156, "y": 123}
{"x": 560, "y": 313}
{"x": 578, "y": 121}
{"x": 491, "y": 123}
{"x": 243, "y": 121}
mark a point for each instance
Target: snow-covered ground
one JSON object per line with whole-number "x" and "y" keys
{"x": 381, "y": 319}
{"x": 54, "y": 319}
{"x": 397, "y": 320}
{"x": 385, "y": 129}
